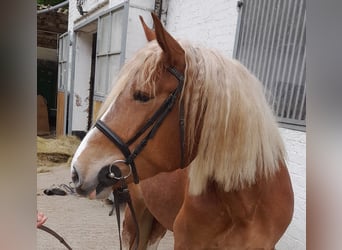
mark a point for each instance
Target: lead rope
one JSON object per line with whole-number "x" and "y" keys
{"x": 60, "y": 238}
{"x": 122, "y": 195}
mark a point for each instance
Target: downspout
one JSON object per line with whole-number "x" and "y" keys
{"x": 239, "y": 6}
{"x": 57, "y": 6}
{"x": 158, "y": 8}
{"x": 71, "y": 84}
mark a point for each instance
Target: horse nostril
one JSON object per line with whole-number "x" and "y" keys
{"x": 75, "y": 178}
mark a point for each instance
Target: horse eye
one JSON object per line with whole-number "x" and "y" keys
{"x": 141, "y": 96}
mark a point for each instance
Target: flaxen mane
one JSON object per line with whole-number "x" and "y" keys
{"x": 144, "y": 69}
{"x": 239, "y": 138}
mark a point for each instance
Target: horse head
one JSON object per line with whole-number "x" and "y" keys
{"x": 137, "y": 134}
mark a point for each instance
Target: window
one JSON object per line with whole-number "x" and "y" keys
{"x": 271, "y": 44}
{"x": 63, "y": 54}
{"x": 109, "y": 51}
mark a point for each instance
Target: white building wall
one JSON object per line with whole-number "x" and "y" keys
{"x": 113, "y": 3}
{"x": 135, "y": 33}
{"x": 295, "y": 143}
{"x": 92, "y": 6}
{"x": 213, "y": 24}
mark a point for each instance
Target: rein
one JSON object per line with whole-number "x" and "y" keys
{"x": 111, "y": 174}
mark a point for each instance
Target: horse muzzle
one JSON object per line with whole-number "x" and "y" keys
{"x": 108, "y": 176}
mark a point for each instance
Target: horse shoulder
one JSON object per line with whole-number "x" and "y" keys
{"x": 200, "y": 220}
{"x": 253, "y": 217}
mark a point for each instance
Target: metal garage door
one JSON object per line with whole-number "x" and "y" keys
{"x": 271, "y": 43}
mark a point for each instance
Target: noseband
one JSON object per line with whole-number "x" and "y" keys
{"x": 153, "y": 123}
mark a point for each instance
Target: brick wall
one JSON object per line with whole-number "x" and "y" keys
{"x": 50, "y": 25}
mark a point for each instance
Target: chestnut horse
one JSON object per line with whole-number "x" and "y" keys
{"x": 195, "y": 128}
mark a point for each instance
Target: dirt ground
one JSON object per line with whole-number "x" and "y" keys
{"x": 83, "y": 223}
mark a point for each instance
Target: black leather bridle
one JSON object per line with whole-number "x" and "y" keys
{"x": 111, "y": 174}
{"x": 153, "y": 123}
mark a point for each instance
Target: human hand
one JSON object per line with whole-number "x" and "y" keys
{"x": 41, "y": 218}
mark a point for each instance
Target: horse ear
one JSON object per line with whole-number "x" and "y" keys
{"x": 149, "y": 33}
{"x": 174, "y": 53}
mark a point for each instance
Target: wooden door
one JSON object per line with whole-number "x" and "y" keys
{"x": 60, "y": 128}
